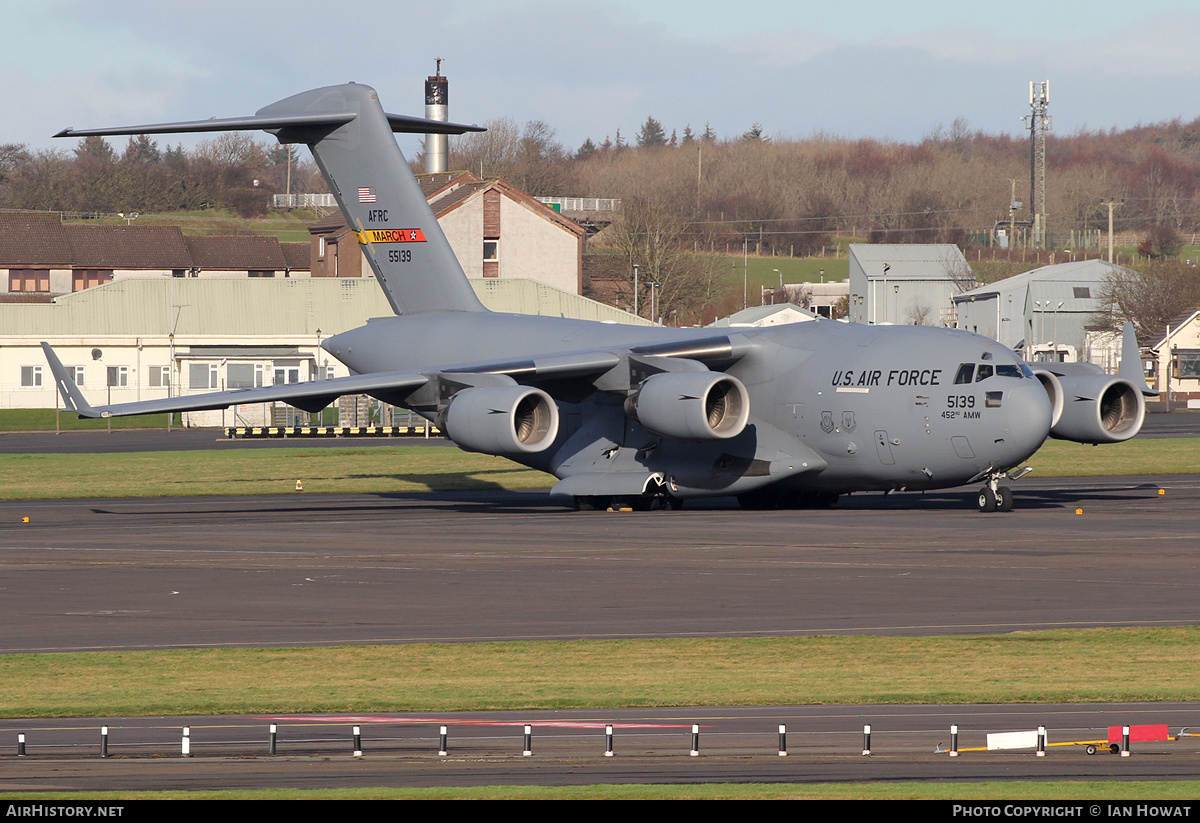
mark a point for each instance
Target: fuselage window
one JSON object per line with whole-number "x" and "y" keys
{"x": 965, "y": 372}
{"x": 993, "y": 398}
{"x": 985, "y": 371}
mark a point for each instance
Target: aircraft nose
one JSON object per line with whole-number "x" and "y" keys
{"x": 1029, "y": 415}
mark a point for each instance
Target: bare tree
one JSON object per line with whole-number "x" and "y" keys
{"x": 959, "y": 273}
{"x": 1150, "y": 298}
{"x": 650, "y": 234}
{"x": 918, "y": 314}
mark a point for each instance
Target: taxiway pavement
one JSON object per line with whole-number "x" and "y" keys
{"x": 331, "y": 569}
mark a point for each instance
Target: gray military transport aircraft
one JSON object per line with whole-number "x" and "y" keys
{"x": 781, "y": 417}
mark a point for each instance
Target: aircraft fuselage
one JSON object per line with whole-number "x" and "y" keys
{"x": 882, "y": 407}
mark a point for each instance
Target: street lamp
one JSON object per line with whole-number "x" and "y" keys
{"x": 1056, "y": 308}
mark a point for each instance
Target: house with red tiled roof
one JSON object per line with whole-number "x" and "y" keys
{"x": 43, "y": 256}
{"x": 495, "y": 229}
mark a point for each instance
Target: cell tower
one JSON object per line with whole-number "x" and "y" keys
{"x": 1039, "y": 123}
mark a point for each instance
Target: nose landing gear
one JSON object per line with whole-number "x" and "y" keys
{"x": 996, "y": 498}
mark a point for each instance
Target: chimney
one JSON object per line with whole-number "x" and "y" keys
{"x": 437, "y": 91}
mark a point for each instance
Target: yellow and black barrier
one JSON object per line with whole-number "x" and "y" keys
{"x": 331, "y": 431}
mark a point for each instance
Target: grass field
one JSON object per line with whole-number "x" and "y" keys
{"x": 1157, "y": 664}
{"x": 33, "y": 420}
{"x": 286, "y": 226}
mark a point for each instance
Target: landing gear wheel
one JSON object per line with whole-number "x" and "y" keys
{"x": 591, "y": 504}
{"x": 987, "y": 499}
{"x": 757, "y": 500}
{"x": 1004, "y": 499}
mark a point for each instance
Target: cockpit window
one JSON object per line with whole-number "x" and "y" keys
{"x": 1003, "y": 370}
{"x": 985, "y": 371}
{"x": 965, "y": 372}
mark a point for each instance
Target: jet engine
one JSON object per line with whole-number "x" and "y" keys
{"x": 691, "y": 405}
{"x": 501, "y": 419}
{"x": 1096, "y": 408}
{"x": 1054, "y": 391}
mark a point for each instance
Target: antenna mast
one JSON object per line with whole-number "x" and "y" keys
{"x": 1039, "y": 123}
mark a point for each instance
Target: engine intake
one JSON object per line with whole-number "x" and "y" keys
{"x": 1054, "y": 391}
{"x": 501, "y": 419}
{"x": 691, "y": 405}
{"x": 1099, "y": 409}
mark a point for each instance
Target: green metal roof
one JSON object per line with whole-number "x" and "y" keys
{"x": 266, "y": 306}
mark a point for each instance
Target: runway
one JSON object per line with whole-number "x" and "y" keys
{"x": 315, "y": 569}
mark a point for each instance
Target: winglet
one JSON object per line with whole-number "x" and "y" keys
{"x": 1131, "y": 361}
{"x": 70, "y": 392}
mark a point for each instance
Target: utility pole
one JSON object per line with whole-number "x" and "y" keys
{"x": 635, "y": 290}
{"x": 1111, "y": 204}
{"x": 745, "y": 272}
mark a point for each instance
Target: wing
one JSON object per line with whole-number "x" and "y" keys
{"x": 317, "y": 394}
{"x": 607, "y": 370}
{"x": 312, "y": 396}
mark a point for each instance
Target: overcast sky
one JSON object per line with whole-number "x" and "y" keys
{"x": 885, "y": 70}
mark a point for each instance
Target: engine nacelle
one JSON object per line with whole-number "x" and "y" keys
{"x": 1054, "y": 391}
{"x": 1098, "y": 409}
{"x": 501, "y": 419}
{"x": 691, "y": 405}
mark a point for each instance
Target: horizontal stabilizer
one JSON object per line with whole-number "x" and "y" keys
{"x": 400, "y": 123}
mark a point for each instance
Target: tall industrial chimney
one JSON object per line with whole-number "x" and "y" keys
{"x": 437, "y": 91}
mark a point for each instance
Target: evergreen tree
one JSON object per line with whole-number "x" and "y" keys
{"x": 95, "y": 148}
{"x": 141, "y": 149}
{"x": 754, "y": 134}
{"x": 652, "y": 134}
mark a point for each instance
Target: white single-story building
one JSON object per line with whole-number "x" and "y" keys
{"x": 133, "y": 340}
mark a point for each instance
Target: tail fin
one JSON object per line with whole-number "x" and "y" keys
{"x": 1131, "y": 361}
{"x": 350, "y": 137}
